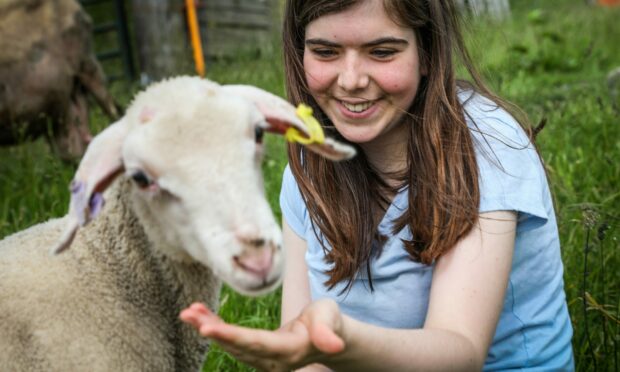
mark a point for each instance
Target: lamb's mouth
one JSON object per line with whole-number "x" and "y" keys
{"x": 357, "y": 107}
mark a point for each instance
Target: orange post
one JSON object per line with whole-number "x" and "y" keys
{"x": 194, "y": 34}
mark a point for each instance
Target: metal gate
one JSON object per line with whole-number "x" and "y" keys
{"x": 110, "y": 23}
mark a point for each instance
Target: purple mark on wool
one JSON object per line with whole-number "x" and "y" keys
{"x": 95, "y": 204}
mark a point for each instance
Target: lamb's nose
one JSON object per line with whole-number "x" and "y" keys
{"x": 256, "y": 261}
{"x": 258, "y": 252}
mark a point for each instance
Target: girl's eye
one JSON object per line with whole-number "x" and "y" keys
{"x": 383, "y": 53}
{"x": 324, "y": 52}
{"x": 141, "y": 180}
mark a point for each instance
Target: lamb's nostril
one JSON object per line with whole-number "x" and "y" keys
{"x": 252, "y": 242}
{"x": 257, "y": 242}
{"x": 250, "y": 235}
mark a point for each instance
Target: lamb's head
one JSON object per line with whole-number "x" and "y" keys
{"x": 192, "y": 149}
{"x": 195, "y": 163}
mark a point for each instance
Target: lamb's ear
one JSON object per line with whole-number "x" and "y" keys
{"x": 101, "y": 163}
{"x": 279, "y": 116}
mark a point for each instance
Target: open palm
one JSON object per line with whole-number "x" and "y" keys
{"x": 315, "y": 333}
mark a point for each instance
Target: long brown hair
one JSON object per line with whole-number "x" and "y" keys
{"x": 442, "y": 173}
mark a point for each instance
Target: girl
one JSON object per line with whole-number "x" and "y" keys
{"x": 436, "y": 248}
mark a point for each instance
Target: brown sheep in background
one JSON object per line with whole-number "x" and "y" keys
{"x": 47, "y": 71}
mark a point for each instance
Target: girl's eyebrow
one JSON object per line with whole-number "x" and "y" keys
{"x": 322, "y": 42}
{"x": 382, "y": 40}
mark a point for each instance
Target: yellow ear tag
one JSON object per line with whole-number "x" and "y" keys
{"x": 315, "y": 131}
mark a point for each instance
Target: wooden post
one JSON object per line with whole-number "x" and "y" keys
{"x": 161, "y": 39}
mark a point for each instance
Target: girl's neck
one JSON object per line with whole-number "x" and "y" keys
{"x": 387, "y": 154}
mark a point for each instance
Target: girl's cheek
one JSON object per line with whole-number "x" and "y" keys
{"x": 394, "y": 80}
{"x": 315, "y": 83}
{"x": 318, "y": 75}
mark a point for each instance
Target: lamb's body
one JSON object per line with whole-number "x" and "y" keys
{"x": 102, "y": 311}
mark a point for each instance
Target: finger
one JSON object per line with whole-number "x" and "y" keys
{"x": 230, "y": 337}
{"x": 255, "y": 341}
{"x": 192, "y": 315}
{"x": 196, "y": 309}
{"x": 191, "y": 319}
{"x": 197, "y": 315}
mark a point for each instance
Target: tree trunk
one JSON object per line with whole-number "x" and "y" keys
{"x": 161, "y": 39}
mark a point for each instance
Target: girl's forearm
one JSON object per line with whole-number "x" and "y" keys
{"x": 371, "y": 348}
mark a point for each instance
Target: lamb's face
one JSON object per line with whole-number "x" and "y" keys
{"x": 199, "y": 190}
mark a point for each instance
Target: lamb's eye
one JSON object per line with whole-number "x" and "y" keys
{"x": 141, "y": 179}
{"x": 258, "y": 134}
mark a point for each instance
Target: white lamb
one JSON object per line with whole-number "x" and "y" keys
{"x": 187, "y": 210}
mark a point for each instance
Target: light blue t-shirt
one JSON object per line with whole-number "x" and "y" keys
{"x": 534, "y": 330}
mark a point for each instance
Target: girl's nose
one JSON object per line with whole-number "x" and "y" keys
{"x": 353, "y": 76}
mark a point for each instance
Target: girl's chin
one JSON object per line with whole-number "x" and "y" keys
{"x": 357, "y": 135}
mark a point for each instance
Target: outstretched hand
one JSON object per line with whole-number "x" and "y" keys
{"x": 315, "y": 334}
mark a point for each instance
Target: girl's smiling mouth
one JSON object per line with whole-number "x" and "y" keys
{"x": 357, "y": 107}
{"x": 358, "y": 110}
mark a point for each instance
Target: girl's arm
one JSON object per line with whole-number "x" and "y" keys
{"x": 467, "y": 295}
{"x": 295, "y": 287}
{"x": 466, "y": 299}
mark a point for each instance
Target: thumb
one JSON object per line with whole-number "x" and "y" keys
{"x": 326, "y": 326}
{"x": 325, "y": 339}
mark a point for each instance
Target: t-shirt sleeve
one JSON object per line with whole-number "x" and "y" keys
{"x": 292, "y": 204}
{"x": 511, "y": 174}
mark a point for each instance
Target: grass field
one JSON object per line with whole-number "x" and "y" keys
{"x": 552, "y": 59}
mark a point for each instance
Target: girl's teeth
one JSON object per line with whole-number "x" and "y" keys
{"x": 358, "y": 107}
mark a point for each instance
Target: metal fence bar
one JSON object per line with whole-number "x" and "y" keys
{"x": 124, "y": 40}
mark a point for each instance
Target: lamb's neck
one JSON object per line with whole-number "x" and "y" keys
{"x": 136, "y": 257}
{"x": 149, "y": 284}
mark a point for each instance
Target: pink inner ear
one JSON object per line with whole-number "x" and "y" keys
{"x": 146, "y": 114}
{"x": 277, "y": 126}
{"x": 278, "y": 119}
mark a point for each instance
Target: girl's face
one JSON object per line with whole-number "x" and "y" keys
{"x": 363, "y": 70}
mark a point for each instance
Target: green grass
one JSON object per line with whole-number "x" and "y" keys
{"x": 551, "y": 59}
